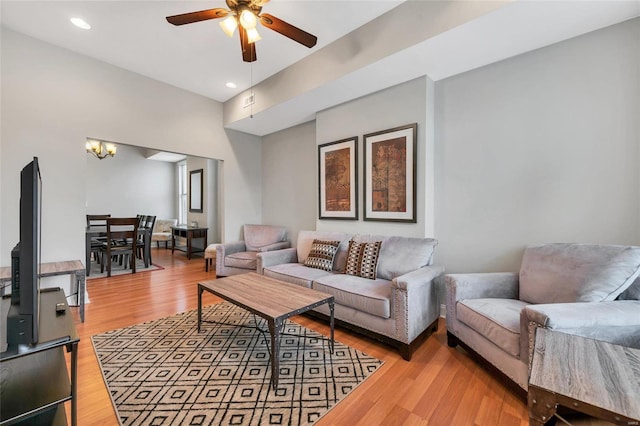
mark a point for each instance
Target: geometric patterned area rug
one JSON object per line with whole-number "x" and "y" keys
{"x": 164, "y": 372}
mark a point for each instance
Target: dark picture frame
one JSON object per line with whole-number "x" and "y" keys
{"x": 196, "y": 181}
{"x": 338, "y": 179}
{"x": 390, "y": 165}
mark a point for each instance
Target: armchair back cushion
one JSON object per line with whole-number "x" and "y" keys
{"x": 258, "y": 236}
{"x": 566, "y": 273}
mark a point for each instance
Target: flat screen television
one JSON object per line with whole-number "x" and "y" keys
{"x": 23, "y": 316}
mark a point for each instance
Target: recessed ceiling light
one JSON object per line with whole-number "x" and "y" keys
{"x": 80, "y": 23}
{"x": 231, "y": 85}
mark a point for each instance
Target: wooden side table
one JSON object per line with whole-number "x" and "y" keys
{"x": 590, "y": 376}
{"x": 52, "y": 269}
{"x": 190, "y": 233}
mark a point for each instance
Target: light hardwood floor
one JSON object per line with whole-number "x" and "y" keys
{"x": 439, "y": 386}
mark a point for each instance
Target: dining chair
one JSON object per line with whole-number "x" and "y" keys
{"x": 97, "y": 242}
{"x": 145, "y": 228}
{"x": 122, "y": 238}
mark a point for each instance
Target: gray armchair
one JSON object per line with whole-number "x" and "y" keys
{"x": 583, "y": 289}
{"x": 241, "y": 256}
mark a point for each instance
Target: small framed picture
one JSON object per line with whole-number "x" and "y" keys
{"x": 338, "y": 179}
{"x": 390, "y": 174}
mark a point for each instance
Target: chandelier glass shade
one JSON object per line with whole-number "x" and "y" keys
{"x": 101, "y": 150}
{"x": 247, "y": 19}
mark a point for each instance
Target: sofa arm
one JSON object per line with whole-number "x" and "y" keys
{"x": 228, "y": 248}
{"x": 276, "y": 257}
{"x": 416, "y": 304}
{"x": 615, "y": 322}
{"x": 420, "y": 276}
{"x": 275, "y": 246}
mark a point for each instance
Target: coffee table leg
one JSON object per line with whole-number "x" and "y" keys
{"x": 200, "y": 289}
{"x": 542, "y": 406}
{"x": 332, "y": 342}
{"x": 275, "y": 327}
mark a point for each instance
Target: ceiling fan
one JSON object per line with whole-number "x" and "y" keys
{"x": 244, "y": 15}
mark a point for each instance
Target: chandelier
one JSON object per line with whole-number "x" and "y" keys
{"x": 100, "y": 149}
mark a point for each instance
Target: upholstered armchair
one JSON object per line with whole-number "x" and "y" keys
{"x": 582, "y": 289}
{"x": 162, "y": 231}
{"x": 241, "y": 256}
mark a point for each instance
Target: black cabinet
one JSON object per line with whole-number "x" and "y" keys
{"x": 34, "y": 380}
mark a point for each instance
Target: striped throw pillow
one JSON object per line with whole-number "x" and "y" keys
{"x": 362, "y": 259}
{"x": 322, "y": 254}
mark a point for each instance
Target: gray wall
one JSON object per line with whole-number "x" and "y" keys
{"x": 289, "y": 181}
{"x": 393, "y": 107}
{"x": 210, "y": 215}
{"x": 52, "y": 99}
{"x": 290, "y": 160}
{"x": 130, "y": 184}
{"x": 542, "y": 147}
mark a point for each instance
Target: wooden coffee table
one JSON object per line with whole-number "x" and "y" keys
{"x": 590, "y": 376}
{"x": 271, "y": 299}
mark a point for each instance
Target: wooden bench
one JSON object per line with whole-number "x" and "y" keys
{"x": 52, "y": 269}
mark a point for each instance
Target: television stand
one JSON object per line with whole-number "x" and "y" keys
{"x": 35, "y": 382}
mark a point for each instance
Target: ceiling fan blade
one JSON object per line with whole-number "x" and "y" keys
{"x": 248, "y": 49}
{"x": 203, "y": 15}
{"x": 288, "y": 30}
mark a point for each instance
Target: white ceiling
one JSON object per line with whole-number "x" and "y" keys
{"x": 198, "y": 57}
{"x": 134, "y": 35}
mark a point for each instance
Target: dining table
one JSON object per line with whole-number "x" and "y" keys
{"x": 101, "y": 231}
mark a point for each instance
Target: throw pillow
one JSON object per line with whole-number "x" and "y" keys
{"x": 322, "y": 254}
{"x": 362, "y": 259}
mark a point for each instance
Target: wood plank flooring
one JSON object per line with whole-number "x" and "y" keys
{"x": 439, "y": 386}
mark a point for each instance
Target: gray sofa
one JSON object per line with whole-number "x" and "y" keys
{"x": 400, "y": 306}
{"x": 582, "y": 289}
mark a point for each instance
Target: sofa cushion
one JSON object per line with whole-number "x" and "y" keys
{"x": 322, "y": 254}
{"x": 362, "y": 259}
{"x": 370, "y": 296}
{"x": 295, "y": 273}
{"x": 565, "y": 273}
{"x": 305, "y": 240}
{"x": 256, "y": 236}
{"x": 242, "y": 259}
{"x": 399, "y": 255}
{"x": 496, "y": 319}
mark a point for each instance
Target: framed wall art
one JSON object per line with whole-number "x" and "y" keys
{"x": 195, "y": 191}
{"x": 338, "y": 179}
{"x": 390, "y": 174}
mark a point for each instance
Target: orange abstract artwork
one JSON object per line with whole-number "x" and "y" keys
{"x": 337, "y": 180}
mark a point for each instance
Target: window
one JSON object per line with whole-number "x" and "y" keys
{"x": 182, "y": 192}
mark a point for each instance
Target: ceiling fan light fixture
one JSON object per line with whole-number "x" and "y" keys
{"x": 248, "y": 19}
{"x": 253, "y": 35}
{"x": 229, "y": 25}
